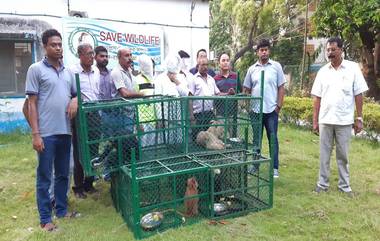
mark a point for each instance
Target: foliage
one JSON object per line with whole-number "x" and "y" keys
{"x": 244, "y": 63}
{"x": 300, "y": 111}
{"x": 346, "y": 17}
{"x": 358, "y": 23}
{"x": 237, "y": 25}
{"x": 296, "y": 110}
{"x": 221, "y": 31}
{"x": 288, "y": 51}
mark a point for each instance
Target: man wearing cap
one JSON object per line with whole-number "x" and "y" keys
{"x": 147, "y": 112}
{"x": 168, "y": 84}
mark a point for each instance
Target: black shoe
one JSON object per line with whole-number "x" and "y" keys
{"x": 319, "y": 189}
{"x": 80, "y": 195}
{"x": 91, "y": 190}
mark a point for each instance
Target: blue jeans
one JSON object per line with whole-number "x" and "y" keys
{"x": 57, "y": 151}
{"x": 270, "y": 122}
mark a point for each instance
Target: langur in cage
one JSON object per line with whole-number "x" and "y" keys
{"x": 191, "y": 204}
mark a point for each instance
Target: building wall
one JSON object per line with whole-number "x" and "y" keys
{"x": 189, "y": 33}
{"x": 184, "y": 27}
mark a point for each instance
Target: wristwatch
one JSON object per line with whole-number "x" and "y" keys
{"x": 359, "y": 119}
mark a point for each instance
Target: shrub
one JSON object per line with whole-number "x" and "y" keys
{"x": 300, "y": 111}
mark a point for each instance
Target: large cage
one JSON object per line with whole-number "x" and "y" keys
{"x": 176, "y": 160}
{"x": 109, "y": 130}
{"x": 161, "y": 126}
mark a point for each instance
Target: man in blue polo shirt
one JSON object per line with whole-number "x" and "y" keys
{"x": 52, "y": 103}
{"x": 274, "y": 91}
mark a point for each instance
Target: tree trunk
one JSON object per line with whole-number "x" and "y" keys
{"x": 370, "y": 62}
{"x": 377, "y": 55}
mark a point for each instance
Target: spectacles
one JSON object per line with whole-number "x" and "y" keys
{"x": 90, "y": 54}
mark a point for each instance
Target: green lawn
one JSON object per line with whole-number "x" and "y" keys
{"x": 298, "y": 213}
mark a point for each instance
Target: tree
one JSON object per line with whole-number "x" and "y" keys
{"x": 357, "y": 22}
{"x": 221, "y": 30}
{"x": 237, "y": 25}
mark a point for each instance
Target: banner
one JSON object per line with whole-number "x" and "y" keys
{"x": 141, "y": 39}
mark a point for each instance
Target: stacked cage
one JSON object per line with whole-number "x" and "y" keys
{"x": 175, "y": 160}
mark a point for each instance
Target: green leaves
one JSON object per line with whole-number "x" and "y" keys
{"x": 234, "y": 20}
{"x": 345, "y": 17}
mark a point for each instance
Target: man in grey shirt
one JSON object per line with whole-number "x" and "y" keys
{"x": 124, "y": 83}
{"x": 52, "y": 103}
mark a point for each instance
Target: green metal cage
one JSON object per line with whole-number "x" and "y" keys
{"x": 177, "y": 160}
{"x": 176, "y": 189}
{"x": 240, "y": 182}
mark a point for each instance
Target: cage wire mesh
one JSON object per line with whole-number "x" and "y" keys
{"x": 234, "y": 189}
{"x": 110, "y": 129}
{"x": 222, "y": 123}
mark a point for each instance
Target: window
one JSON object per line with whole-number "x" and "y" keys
{"x": 15, "y": 59}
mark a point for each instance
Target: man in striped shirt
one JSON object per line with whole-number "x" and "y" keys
{"x": 225, "y": 80}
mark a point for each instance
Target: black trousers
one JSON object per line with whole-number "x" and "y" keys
{"x": 82, "y": 183}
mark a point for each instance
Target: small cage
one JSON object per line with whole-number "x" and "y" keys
{"x": 155, "y": 195}
{"x": 235, "y": 187}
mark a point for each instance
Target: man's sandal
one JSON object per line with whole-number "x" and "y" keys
{"x": 72, "y": 215}
{"x": 49, "y": 227}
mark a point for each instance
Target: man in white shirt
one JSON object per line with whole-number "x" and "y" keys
{"x": 89, "y": 88}
{"x": 168, "y": 83}
{"x": 203, "y": 85}
{"x": 337, "y": 89}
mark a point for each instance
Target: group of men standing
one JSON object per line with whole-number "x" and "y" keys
{"x": 52, "y": 106}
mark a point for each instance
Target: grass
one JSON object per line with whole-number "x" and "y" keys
{"x": 298, "y": 213}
